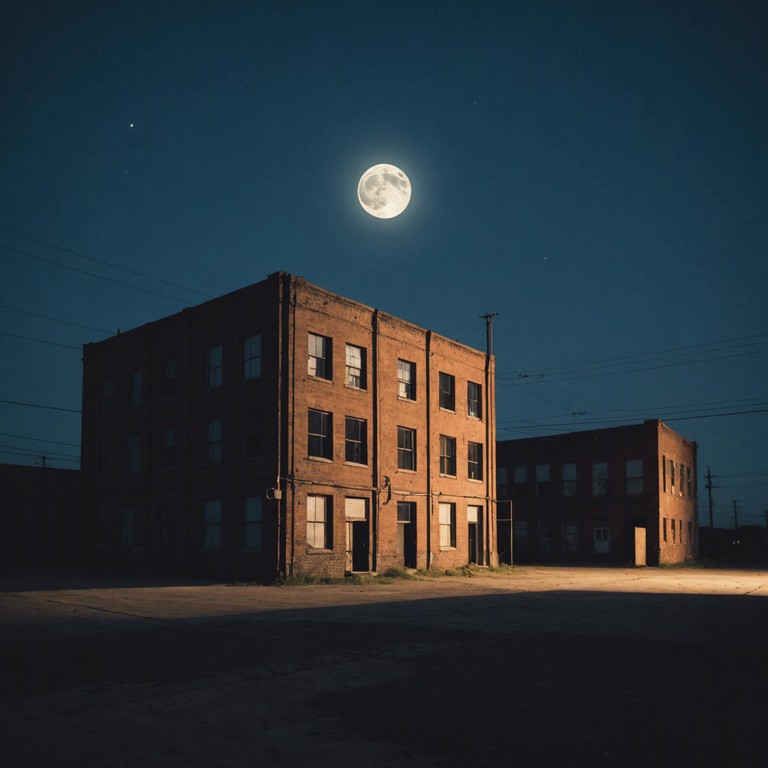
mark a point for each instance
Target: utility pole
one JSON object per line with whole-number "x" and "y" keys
{"x": 735, "y": 514}
{"x": 489, "y": 331}
{"x": 709, "y": 488}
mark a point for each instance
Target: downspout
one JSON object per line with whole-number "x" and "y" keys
{"x": 490, "y": 462}
{"x": 376, "y": 438}
{"x": 292, "y": 299}
{"x": 280, "y": 569}
{"x": 429, "y": 449}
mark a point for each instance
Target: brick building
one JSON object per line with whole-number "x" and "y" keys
{"x": 285, "y": 429}
{"x": 625, "y": 494}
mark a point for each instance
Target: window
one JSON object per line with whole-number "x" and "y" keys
{"x": 447, "y": 525}
{"x": 107, "y": 395}
{"x": 320, "y": 437}
{"x": 599, "y": 478}
{"x": 544, "y": 531}
{"x": 251, "y": 434}
{"x": 213, "y": 441}
{"x": 406, "y": 448}
{"x": 671, "y": 476}
{"x": 252, "y": 523}
{"x": 543, "y": 486}
{"x": 601, "y": 542}
{"x": 134, "y": 453}
{"x": 475, "y": 461}
{"x": 168, "y": 381}
{"x": 137, "y": 386}
{"x": 664, "y": 473}
{"x": 214, "y": 367}
{"x": 674, "y": 541}
{"x": 406, "y": 511}
{"x": 501, "y": 483}
{"x": 212, "y": 524}
{"x": 688, "y": 480}
{"x": 103, "y": 456}
{"x": 356, "y": 440}
{"x": 571, "y": 538}
{"x": 447, "y": 392}
{"x": 569, "y": 479}
{"x": 319, "y": 364}
{"x": 634, "y": 476}
{"x": 252, "y": 356}
{"x": 167, "y": 447}
{"x": 474, "y": 400}
{"x": 682, "y": 479}
{"x": 127, "y": 526}
{"x": 319, "y": 522}
{"x": 447, "y": 455}
{"x": 665, "y": 530}
{"x": 356, "y": 367}
{"x": 406, "y": 380}
{"x": 521, "y": 482}
{"x": 520, "y": 534}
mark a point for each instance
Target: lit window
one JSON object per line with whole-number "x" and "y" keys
{"x": 406, "y": 380}
{"x": 212, "y": 524}
{"x": 475, "y": 461}
{"x": 319, "y": 522}
{"x": 356, "y": 367}
{"x": 406, "y": 448}
{"x": 447, "y": 392}
{"x": 474, "y": 400}
{"x": 447, "y": 525}
{"x": 320, "y": 434}
{"x": 447, "y": 455}
{"x": 214, "y": 366}
{"x": 213, "y": 441}
{"x": 319, "y": 360}
{"x": 356, "y": 441}
{"x": 252, "y": 523}
{"x": 252, "y": 356}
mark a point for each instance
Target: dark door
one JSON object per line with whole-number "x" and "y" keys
{"x": 406, "y": 544}
{"x": 360, "y": 546}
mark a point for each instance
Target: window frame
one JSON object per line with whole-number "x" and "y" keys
{"x": 406, "y": 380}
{"x": 253, "y": 523}
{"x": 635, "y": 485}
{"x": 133, "y": 452}
{"x": 476, "y": 461}
{"x": 599, "y": 479}
{"x": 474, "y": 403}
{"x": 213, "y": 446}
{"x": 167, "y": 448}
{"x": 356, "y": 444}
{"x": 447, "y": 535}
{"x": 214, "y": 366}
{"x": 352, "y": 380}
{"x": 252, "y": 353}
{"x": 137, "y": 388}
{"x": 168, "y": 377}
{"x": 447, "y": 456}
{"x": 320, "y": 370}
{"x": 404, "y": 450}
{"x": 447, "y": 398}
{"x": 324, "y": 438}
{"x": 321, "y": 529}
{"x": 212, "y": 525}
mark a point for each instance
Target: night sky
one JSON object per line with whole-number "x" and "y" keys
{"x": 595, "y": 172}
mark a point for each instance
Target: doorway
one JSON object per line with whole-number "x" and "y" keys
{"x": 358, "y": 540}
{"x": 406, "y": 533}
{"x": 475, "y": 534}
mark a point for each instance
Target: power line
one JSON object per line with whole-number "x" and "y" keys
{"x": 105, "y": 263}
{"x": 55, "y": 319}
{"x": 38, "y": 405}
{"x": 93, "y": 274}
{"x": 39, "y": 440}
{"x": 40, "y": 341}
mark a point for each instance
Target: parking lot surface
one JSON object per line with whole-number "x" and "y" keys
{"x": 537, "y": 666}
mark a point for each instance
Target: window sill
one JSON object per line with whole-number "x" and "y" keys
{"x": 447, "y": 410}
{"x": 320, "y": 459}
{"x": 355, "y": 464}
{"x": 406, "y": 399}
{"x": 319, "y": 378}
{"x": 354, "y": 388}
{"x": 476, "y": 480}
{"x": 317, "y": 551}
{"x": 407, "y": 471}
{"x": 453, "y": 477}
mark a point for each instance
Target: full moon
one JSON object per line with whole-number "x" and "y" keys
{"x": 384, "y": 191}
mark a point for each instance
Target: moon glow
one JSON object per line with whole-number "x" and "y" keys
{"x": 384, "y": 191}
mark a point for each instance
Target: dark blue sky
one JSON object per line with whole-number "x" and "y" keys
{"x": 595, "y": 172}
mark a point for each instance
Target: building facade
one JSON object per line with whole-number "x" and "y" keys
{"x": 283, "y": 429}
{"x": 625, "y": 494}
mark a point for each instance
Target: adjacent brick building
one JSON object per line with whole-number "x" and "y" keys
{"x": 285, "y": 429}
{"x": 625, "y": 494}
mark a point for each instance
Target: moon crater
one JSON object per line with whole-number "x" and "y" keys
{"x": 384, "y": 191}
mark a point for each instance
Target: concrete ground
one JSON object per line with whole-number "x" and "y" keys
{"x": 540, "y": 666}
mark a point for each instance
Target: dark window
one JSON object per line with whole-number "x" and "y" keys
{"x": 447, "y": 455}
{"x": 251, "y": 434}
{"x": 475, "y": 461}
{"x": 320, "y": 437}
{"x": 103, "y": 457}
{"x": 107, "y": 395}
{"x": 167, "y": 447}
{"x": 252, "y": 523}
{"x": 356, "y": 441}
{"x": 252, "y": 356}
{"x": 214, "y": 367}
{"x": 134, "y": 453}
{"x": 447, "y": 391}
{"x": 569, "y": 479}
{"x": 213, "y": 441}
{"x": 474, "y": 400}
{"x": 168, "y": 381}
{"x": 212, "y": 524}
{"x": 406, "y": 448}
{"x": 634, "y": 476}
{"x": 137, "y": 387}
{"x": 543, "y": 480}
{"x": 406, "y": 511}
{"x": 599, "y": 478}
{"x": 521, "y": 482}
